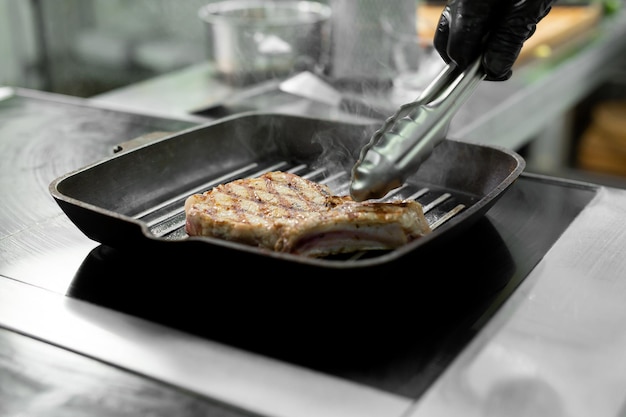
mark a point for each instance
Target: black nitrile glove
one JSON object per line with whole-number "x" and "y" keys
{"x": 495, "y": 28}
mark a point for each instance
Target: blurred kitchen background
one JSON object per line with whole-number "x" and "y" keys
{"x": 87, "y": 48}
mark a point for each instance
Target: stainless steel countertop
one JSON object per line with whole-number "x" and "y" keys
{"x": 558, "y": 347}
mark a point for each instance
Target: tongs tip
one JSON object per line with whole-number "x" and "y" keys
{"x": 365, "y": 186}
{"x": 407, "y": 139}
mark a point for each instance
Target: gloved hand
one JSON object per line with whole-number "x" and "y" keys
{"x": 495, "y": 28}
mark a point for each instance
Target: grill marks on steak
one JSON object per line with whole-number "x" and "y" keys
{"x": 287, "y": 213}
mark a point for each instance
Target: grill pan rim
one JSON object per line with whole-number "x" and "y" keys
{"x": 77, "y": 209}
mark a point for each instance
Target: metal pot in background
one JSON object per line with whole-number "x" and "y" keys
{"x": 253, "y": 40}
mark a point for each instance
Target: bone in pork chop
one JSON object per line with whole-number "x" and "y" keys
{"x": 287, "y": 213}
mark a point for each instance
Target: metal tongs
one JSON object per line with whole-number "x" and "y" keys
{"x": 408, "y": 138}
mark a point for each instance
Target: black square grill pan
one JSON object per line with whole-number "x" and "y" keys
{"x": 136, "y": 196}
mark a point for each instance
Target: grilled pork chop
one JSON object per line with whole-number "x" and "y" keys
{"x": 287, "y": 213}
